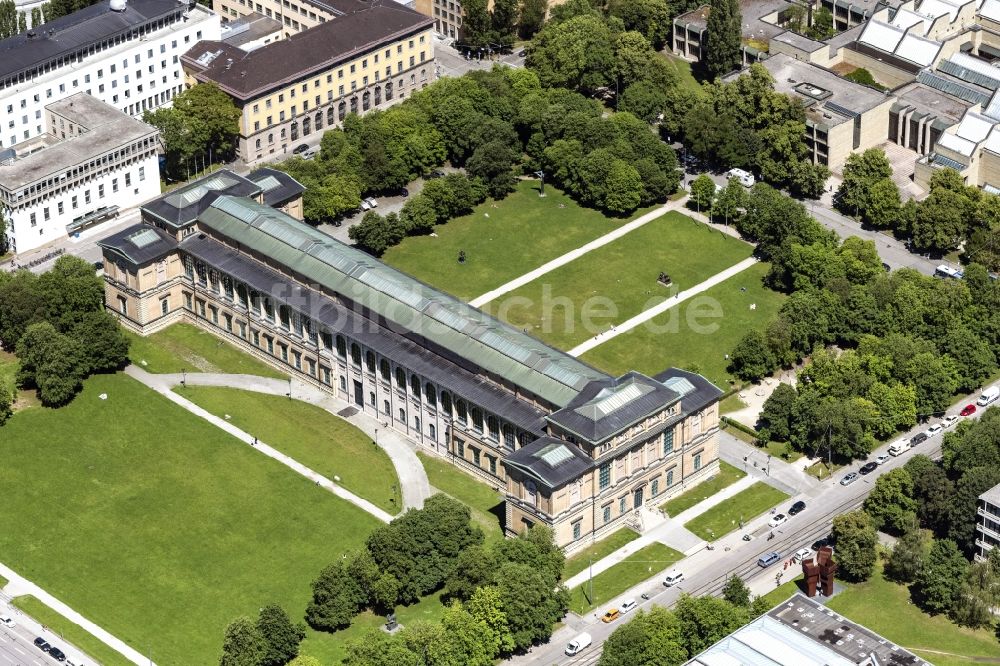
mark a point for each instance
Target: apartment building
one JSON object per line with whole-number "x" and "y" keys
{"x": 287, "y": 90}
{"x": 987, "y": 523}
{"x": 294, "y": 15}
{"x": 454, "y": 380}
{"x": 92, "y": 161}
{"x": 124, "y": 54}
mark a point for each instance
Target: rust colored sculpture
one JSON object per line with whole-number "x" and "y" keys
{"x": 820, "y": 570}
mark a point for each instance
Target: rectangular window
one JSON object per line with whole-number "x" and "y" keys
{"x": 670, "y": 478}
{"x": 187, "y": 301}
{"x": 605, "y": 475}
{"x": 164, "y": 305}
{"x": 607, "y": 514}
{"x": 622, "y": 505}
{"x": 697, "y": 462}
{"x": 142, "y": 173}
{"x": 668, "y": 442}
{"x": 577, "y": 530}
{"x": 461, "y": 448}
{"x": 656, "y": 487}
{"x": 475, "y": 456}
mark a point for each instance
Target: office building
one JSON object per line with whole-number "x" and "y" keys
{"x": 92, "y": 161}
{"x": 987, "y": 522}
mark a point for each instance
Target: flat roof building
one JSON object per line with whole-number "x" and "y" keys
{"x": 487, "y": 396}
{"x": 128, "y": 58}
{"x": 803, "y": 632}
{"x": 369, "y": 59}
{"x": 987, "y": 523}
{"x": 92, "y": 161}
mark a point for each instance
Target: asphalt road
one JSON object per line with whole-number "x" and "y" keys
{"x": 707, "y": 571}
{"x": 17, "y": 648}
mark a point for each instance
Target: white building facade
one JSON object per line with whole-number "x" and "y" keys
{"x": 124, "y": 54}
{"x": 987, "y": 523}
{"x": 92, "y": 161}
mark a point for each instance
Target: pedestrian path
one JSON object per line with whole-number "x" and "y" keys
{"x": 660, "y": 308}
{"x": 787, "y": 477}
{"x": 577, "y": 253}
{"x": 18, "y": 586}
{"x": 163, "y": 386}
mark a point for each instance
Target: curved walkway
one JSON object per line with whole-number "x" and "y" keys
{"x": 19, "y": 586}
{"x": 412, "y": 477}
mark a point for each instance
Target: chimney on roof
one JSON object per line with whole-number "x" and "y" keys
{"x": 243, "y": 74}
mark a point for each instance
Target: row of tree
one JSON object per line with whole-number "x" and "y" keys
{"x": 953, "y": 214}
{"x": 57, "y": 326}
{"x": 663, "y": 637}
{"x": 270, "y": 640}
{"x": 440, "y": 200}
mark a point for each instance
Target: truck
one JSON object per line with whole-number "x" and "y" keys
{"x": 988, "y": 395}
{"x": 578, "y": 644}
{"x": 899, "y": 448}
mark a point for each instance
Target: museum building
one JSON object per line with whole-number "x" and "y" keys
{"x": 569, "y": 445}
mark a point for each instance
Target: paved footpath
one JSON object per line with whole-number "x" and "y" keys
{"x": 660, "y": 308}
{"x": 577, "y": 253}
{"x": 18, "y": 586}
{"x": 163, "y": 384}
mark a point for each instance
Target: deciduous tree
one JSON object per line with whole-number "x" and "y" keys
{"x": 856, "y": 540}
{"x": 281, "y": 637}
{"x": 940, "y": 580}
{"x": 724, "y": 37}
{"x": 243, "y": 645}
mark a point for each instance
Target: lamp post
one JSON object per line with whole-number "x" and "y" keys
{"x": 289, "y": 394}
{"x": 541, "y": 182}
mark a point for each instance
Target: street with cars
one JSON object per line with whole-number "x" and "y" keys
{"x": 753, "y": 553}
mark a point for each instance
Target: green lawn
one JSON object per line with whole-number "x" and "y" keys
{"x": 885, "y": 608}
{"x": 3, "y": 582}
{"x": 330, "y": 648}
{"x": 311, "y": 435}
{"x": 731, "y": 403}
{"x": 597, "y": 551}
{"x": 486, "y": 503}
{"x": 777, "y": 449}
{"x": 72, "y": 632}
{"x": 724, "y": 517}
{"x": 521, "y": 233}
{"x": 8, "y": 374}
{"x": 619, "y": 280}
{"x": 187, "y": 347}
{"x": 642, "y": 564}
{"x": 697, "y": 334}
{"x": 157, "y": 525}
{"x": 822, "y": 470}
{"x": 785, "y": 590}
{"x": 727, "y": 476}
{"x": 682, "y": 68}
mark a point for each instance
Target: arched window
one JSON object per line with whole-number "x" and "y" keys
{"x": 370, "y": 361}
{"x": 493, "y": 427}
{"x": 385, "y": 369}
{"x": 284, "y": 317}
{"x": 342, "y": 110}
{"x": 241, "y": 294}
{"x": 270, "y": 137}
{"x": 388, "y": 90}
{"x": 306, "y": 126}
{"x": 355, "y": 353}
{"x": 331, "y": 115}
{"x": 415, "y": 386}
{"x": 283, "y": 133}
{"x": 378, "y": 95}
{"x": 477, "y": 419}
{"x": 446, "y": 402}
{"x": 508, "y": 435}
{"x": 295, "y": 130}
{"x": 462, "y": 413}
{"x": 401, "y": 378}
{"x": 431, "y": 394}
{"x": 257, "y": 142}
{"x": 319, "y": 120}
{"x": 354, "y": 105}
{"x": 341, "y": 346}
{"x": 366, "y": 101}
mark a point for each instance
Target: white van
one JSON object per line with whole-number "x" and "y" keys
{"x": 988, "y": 396}
{"x": 745, "y": 177}
{"x": 900, "y": 447}
{"x": 673, "y": 578}
{"x": 577, "y": 645}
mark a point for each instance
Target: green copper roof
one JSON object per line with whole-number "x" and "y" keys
{"x": 446, "y": 321}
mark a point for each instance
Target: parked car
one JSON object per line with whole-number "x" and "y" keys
{"x": 311, "y": 153}
{"x": 7, "y": 621}
{"x": 301, "y": 148}
{"x": 868, "y": 468}
{"x": 675, "y": 577}
{"x": 767, "y": 560}
{"x": 779, "y": 519}
{"x": 365, "y": 205}
{"x": 934, "y": 430}
{"x": 949, "y": 421}
{"x": 900, "y": 447}
{"x": 611, "y": 616}
{"x": 401, "y": 192}
{"x": 628, "y": 605}
{"x": 918, "y": 438}
{"x": 797, "y": 508}
{"x": 802, "y": 554}
{"x": 522, "y": 53}
{"x": 434, "y": 174}
{"x": 371, "y": 201}
{"x": 988, "y": 396}
{"x": 882, "y": 459}
{"x": 968, "y": 410}
{"x": 745, "y": 177}
{"x": 820, "y": 543}
{"x": 577, "y": 644}
{"x": 57, "y": 654}
{"x": 42, "y": 644}
{"x": 849, "y": 479}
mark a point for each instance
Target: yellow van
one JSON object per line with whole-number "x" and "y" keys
{"x": 611, "y": 615}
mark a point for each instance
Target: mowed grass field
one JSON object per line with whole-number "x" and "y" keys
{"x": 501, "y": 241}
{"x": 617, "y": 281}
{"x": 187, "y": 347}
{"x": 697, "y": 334}
{"x": 158, "y": 526}
{"x": 309, "y": 434}
{"x": 640, "y": 565}
{"x": 725, "y": 516}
